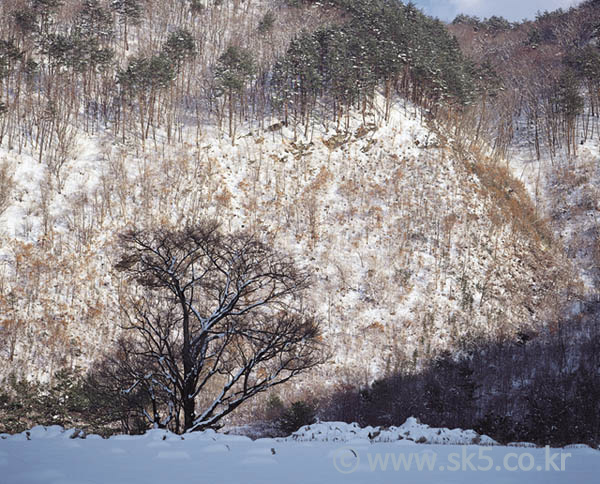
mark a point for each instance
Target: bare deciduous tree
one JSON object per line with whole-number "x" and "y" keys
{"x": 218, "y": 320}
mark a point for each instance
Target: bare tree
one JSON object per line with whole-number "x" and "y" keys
{"x": 219, "y": 319}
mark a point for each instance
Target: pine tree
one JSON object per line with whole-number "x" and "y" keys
{"x": 130, "y": 12}
{"x": 179, "y": 46}
{"x": 235, "y": 67}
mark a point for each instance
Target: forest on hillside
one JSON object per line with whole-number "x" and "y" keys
{"x": 148, "y": 77}
{"x": 135, "y": 68}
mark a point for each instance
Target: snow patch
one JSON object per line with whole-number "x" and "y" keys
{"x": 411, "y": 430}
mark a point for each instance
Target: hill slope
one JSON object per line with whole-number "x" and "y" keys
{"x": 414, "y": 247}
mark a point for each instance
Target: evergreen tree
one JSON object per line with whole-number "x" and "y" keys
{"x": 9, "y": 55}
{"x": 462, "y": 19}
{"x": 144, "y": 78}
{"x": 235, "y": 67}
{"x": 130, "y": 12}
{"x": 377, "y": 44}
{"x": 179, "y": 46}
{"x": 569, "y": 103}
{"x": 298, "y": 415}
{"x": 93, "y": 22}
{"x": 266, "y": 23}
{"x": 298, "y": 76}
{"x": 497, "y": 24}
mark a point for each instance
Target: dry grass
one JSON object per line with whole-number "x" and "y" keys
{"x": 7, "y": 185}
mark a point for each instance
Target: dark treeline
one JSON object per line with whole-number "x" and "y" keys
{"x": 542, "y": 388}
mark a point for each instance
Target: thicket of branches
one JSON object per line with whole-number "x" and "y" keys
{"x": 70, "y": 400}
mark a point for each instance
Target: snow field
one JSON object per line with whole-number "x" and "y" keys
{"x": 330, "y": 452}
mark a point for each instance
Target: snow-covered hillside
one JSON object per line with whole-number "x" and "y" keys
{"x": 52, "y": 456}
{"x": 413, "y": 245}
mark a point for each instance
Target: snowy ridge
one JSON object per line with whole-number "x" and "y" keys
{"x": 57, "y": 432}
{"x": 410, "y": 431}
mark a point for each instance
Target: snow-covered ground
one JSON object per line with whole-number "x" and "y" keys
{"x": 52, "y": 456}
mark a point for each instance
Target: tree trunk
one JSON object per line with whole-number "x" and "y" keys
{"x": 189, "y": 381}
{"x": 230, "y": 114}
{"x": 189, "y": 410}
